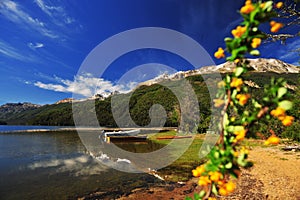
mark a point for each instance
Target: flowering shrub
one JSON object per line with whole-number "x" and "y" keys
{"x": 228, "y": 156}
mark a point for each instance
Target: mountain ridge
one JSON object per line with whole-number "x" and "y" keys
{"x": 256, "y": 65}
{"x": 144, "y": 96}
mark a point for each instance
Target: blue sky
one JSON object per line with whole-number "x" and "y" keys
{"x": 43, "y": 43}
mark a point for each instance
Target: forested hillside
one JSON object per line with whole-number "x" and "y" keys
{"x": 143, "y": 98}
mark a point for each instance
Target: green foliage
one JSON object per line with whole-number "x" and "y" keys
{"x": 240, "y": 111}
{"x": 145, "y": 96}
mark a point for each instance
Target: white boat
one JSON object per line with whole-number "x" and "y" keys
{"x": 122, "y": 133}
{"x": 106, "y": 136}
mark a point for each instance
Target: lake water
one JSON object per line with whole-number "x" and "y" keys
{"x": 57, "y": 166}
{"x": 6, "y": 128}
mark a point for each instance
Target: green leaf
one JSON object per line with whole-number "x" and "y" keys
{"x": 255, "y": 52}
{"x": 234, "y": 92}
{"x": 222, "y": 152}
{"x": 201, "y": 194}
{"x": 239, "y": 71}
{"x": 253, "y": 14}
{"x": 196, "y": 196}
{"x": 228, "y": 39}
{"x": 225, "y": 120}
{"x": 216, "y": 155}
{"x": 234, "y": 128}
{"x": 256, "y": 104}
{"x": 228, "y": 165}
{"x": 268, "y": 6}
{"x": 281, "y": 91}
{"x": 241, "y": 160}
{"x": 286, "y": 105}
{"x": 214, "y": 189}
{"x": 236, "y": 52}
{"x": 227, "y": 79}
{"x": 188, "y": 198}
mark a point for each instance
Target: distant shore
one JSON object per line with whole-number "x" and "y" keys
{"x": 86, "y": 129}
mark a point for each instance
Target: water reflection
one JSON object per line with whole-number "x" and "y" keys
{"x": 57, "y": 166}
{"x": 123, "y": 156}
{"x": 77, "y": 166}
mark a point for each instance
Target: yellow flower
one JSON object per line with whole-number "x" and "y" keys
{"x": 227, "y": 188}
{"x": 275, "y": 26}
{"x": 236, "y": 61}
{"x": 204, "y": 180}
{"x": 240, "y": 135}
{"x": 272, "y": 140}
{"x": 248, "y": 2}
{"x": 247, "y": 8}
{"x": 239, "y": 31}
{"x": 232, "y": 119}
{"x": 272, "y": 23}
{"x": 287, "y": 120}
{"x": 220, "y": 53}
{"x": 243, "y": 98}
{"x": 198, "y": 171}
{"x": 279, "y": 5}
{"x": 236, "y": 154}
{"x": 244, "y": 150}
{"x": 236, "y": 82}
{"x": 262, "y": 5}
{"x": 215, "y": 176}
{"x": 221, "y": 182}
{"x": 223, "y": 191}
{"x": 212, "y": 198}
{"x": 267, "y": 142}
{"x": 255, "y": 42}
{"x": 278, "y": 112}
{"x": 230, "y": 186}
{"x": 218, "y": 102}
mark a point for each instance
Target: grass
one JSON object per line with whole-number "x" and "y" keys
{"x": 283, "y": 159}
{"x": 180, "y": 170}
{"x": 253, "y": 143}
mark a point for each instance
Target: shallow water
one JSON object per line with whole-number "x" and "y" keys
{"x": 6, "y": 128}
{"x": 57, "y": 166}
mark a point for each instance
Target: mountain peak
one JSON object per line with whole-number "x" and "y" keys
{"x": 17, "y": 107}
{"x": 257, "y": 65}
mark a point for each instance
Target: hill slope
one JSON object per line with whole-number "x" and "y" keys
{"x": 140, "y": 103}
{"x": 146, "y": 95}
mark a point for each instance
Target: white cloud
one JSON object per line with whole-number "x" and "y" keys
{"x": 9, "y": 51}
{"x": 55, "y": 12}
{"x": 287, "y": 52}
{"x": 69, "y": 20}
{"x": 13, "y": 12}
{"x": 81, "y": 165}
{"x": 86, "y": 85}
{"x": 35, "y": 45}
{"x": 47, "y": 9}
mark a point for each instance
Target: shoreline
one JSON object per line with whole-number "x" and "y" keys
{"x": 86, "y": 129}
{"x": 280, "y": 180}
{"x": 159, "y": 188}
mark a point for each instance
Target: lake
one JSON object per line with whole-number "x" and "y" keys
{"x": 7, "y": 128}
{"x": 56, "y": 165}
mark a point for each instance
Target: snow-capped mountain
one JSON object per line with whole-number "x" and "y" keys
{"x": 256, "y": 65}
